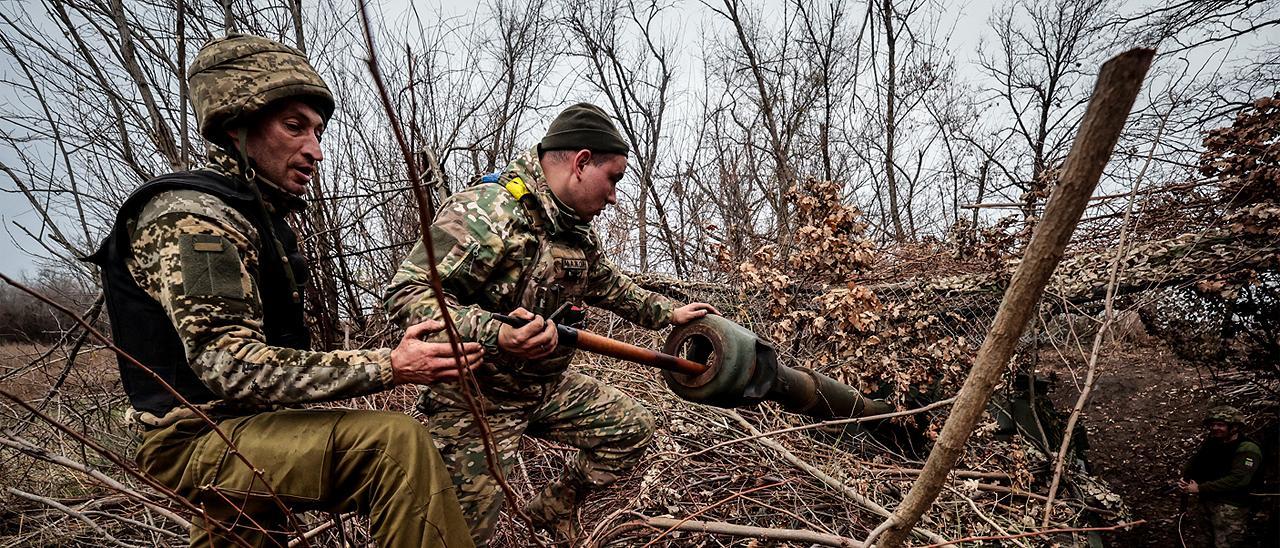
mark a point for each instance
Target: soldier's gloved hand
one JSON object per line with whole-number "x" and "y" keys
{"x": 537, "y": 339}
{"x": 419, "y": 362}
{"x": 690, "y": 312}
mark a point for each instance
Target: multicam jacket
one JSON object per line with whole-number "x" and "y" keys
{"x": 513, "y": 244}
{"x": 198, "y": 257}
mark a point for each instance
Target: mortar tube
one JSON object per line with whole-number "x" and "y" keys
{"x": 811, "y": 393}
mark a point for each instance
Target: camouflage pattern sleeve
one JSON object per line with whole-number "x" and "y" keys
{"x": 195, "y": 255}
{"x": 612, "y": 290}
{"x": 469, "y": 241}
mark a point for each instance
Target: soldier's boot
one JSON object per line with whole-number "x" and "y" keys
{"x": 553, "y": 508}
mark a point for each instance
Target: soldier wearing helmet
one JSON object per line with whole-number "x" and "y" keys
{"x": 523, "y": 243}
{"x": 204, "y": 283}
{"x": 1222, "y": 471}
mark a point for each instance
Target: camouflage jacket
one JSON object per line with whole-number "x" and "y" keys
{"x": 221, "y": 326}
{"x": 1225, "y": 470}
{"x": 502, "y": 246}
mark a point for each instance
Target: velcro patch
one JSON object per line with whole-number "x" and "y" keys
{"x": 210, "y": 266}
{"x": 212, "y": 247}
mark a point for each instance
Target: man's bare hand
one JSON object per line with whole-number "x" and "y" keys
{"x": 690, "y": 312}
{"x": 1188, "y": 486}
{"x": 415, "y": 361}
{"x": 536, "y": 340}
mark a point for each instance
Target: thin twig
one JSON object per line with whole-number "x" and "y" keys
{"x": 721, "y": 528}
{"x": 1043, "y": 532}
{"x": 837, "y": 422}
{"x": 1108, "y": 318}
{"x": 466, "y": 380}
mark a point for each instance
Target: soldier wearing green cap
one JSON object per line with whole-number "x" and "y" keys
{"x": 204, "y": 284}
{"x": 1222, "y": 471}
{"x": 525, "y": 245}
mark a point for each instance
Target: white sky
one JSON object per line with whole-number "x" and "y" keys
{"x": 970, "y": 18}
{"x": 968, "y": 22}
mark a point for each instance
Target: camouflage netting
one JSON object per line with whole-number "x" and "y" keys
{"x": 913, "y": 341}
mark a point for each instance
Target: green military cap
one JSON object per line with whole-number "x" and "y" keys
{"x": 237, "y": 75}
{"x": 584, "y": 126}
{"x": 1225, "y": 413}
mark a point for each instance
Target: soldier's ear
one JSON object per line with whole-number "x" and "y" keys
{"x": 580, "y": 161}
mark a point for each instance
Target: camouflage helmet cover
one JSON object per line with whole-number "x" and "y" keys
{"x": 1224, "y": 413}
{"x": 237, "y": 75}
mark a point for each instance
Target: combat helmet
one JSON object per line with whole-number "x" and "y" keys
{"x": 1224, "y": 413}
{"x": 235, "y": 76}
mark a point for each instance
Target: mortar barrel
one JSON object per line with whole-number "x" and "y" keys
{"x": 811, "y": 393}
{"x": 743, "y": 370}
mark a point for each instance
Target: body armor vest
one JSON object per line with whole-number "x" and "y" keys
{"x": 150, "y": 336}
{"x": 557, "y": 275}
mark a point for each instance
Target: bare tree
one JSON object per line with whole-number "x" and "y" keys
{"x": 637, "y": 86}
{"x": 1038, "y": 72}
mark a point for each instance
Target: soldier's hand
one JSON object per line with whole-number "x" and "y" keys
{"x": 1189, "y": 486}
{"x": 419, "y": 362}
{"x": 537, "y": 339}
{"x": 690, "y": 312}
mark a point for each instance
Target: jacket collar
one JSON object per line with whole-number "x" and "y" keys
{"x": 220, "y": 160}
{"x": 557, "y": 216}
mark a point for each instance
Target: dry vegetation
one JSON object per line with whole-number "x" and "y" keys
{"x": 828, "y": 174}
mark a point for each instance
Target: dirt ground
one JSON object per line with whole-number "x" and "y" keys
{"x": 1143, "y": 424}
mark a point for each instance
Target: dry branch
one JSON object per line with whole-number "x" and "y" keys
{"x": 859, "y": 498}
{"x": 70, "y": 512}
{"x": 785, "y": 535}
{"x": 1116, "y": 89}
{"x": 20, "y": 444}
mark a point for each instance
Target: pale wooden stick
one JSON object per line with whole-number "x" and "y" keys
{"x": 718, "y": 527}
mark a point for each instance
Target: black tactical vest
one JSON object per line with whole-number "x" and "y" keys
{"x": 139, "y": 323}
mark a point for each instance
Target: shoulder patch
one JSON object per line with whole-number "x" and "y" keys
{"x": 517, "y": 187}
{"x": 200, "y": 204}
{"x": 210, "y": 266}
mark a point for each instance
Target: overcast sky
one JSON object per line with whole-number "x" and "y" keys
{"x": 15, "y": 246}
{"x": 965, "y": 21}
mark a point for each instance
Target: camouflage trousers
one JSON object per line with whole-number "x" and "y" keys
{"x": 1229, "y": 523}
{"x": 610, "y": 429}
{"x": 380, "y": 463}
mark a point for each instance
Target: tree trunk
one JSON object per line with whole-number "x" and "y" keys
{"x": 886, "y": 15}
{"x": 1118, "y": 84}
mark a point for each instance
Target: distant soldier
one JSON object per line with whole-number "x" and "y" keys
{"x": 523, "y": 243}
{"x": 204, "y": 285}
{"x": 1222, "y": 471}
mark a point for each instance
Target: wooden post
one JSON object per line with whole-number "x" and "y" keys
{"x": 1113, "y": 96}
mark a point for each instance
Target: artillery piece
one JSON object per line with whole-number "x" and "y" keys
{"x": 715, "y": 361}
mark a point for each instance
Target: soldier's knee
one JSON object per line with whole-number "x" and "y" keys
{"x": 387, "y": 431}
{"x": 637, "y": 429}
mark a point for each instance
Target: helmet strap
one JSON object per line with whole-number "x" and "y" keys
{"x": 242, "y": 140}
{"x": 242, "y": 136}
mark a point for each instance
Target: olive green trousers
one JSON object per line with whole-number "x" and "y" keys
{"x": 379, "y": 463}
